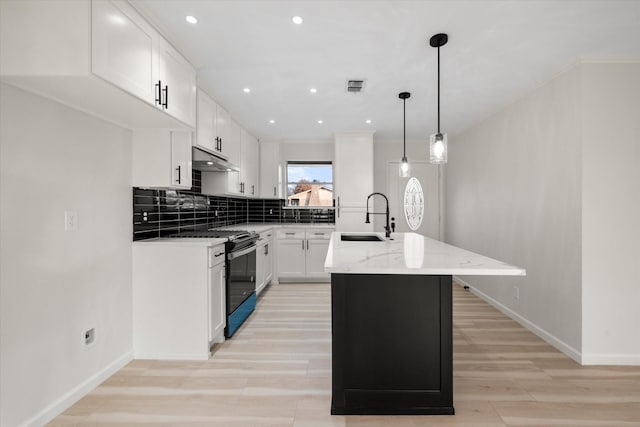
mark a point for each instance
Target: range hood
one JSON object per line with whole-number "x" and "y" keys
{"x": 208, "y": 162}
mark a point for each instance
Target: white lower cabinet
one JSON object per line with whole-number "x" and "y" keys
{"x": 178, "y": 299}
{"x": 264, "y": 260}
{"x": 301, "y": 254}
{"x": 216, "y": 289}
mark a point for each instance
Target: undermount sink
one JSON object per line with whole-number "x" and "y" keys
{"x": 361, "y": 238}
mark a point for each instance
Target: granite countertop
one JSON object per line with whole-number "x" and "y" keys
{"x": 410, "y": 253}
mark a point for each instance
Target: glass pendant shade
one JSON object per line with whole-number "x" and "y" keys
{"x": 438, "y": 148}
{"x": 403, "y": 171}
{"x": 404, "y": 168}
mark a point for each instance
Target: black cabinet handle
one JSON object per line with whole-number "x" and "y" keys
{"x": 274, "y": 191}
{"x": 178, "y": 169}
{"x": 165, "y": 104}
{"x": 220, "y": 144}
{"x": 253, "y": 189}
{"x": 158, "y": 93}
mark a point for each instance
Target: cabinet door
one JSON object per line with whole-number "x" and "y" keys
{"x": 268, "y": 262}
{"x": 181, "y": 159}
{"x": 316, "y": 254}
{"x": 234, "y": 178}
{"x": 291, "y": 258}
{"x": 261, "y": 267}
{"x": 217, "y": 315}
{"x": 206, "y": 122}
{"x": 124, "y": 49}
{"x": 224, "y": 134}
{"x": 270, "y": 170}
{"x": 178, "y": 84}
{"x": 249, "y": 163}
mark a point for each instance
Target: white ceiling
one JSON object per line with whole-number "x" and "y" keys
{"x": 497, "y": 51}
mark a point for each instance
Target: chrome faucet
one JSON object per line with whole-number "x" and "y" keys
{"x": 387, "y": 228}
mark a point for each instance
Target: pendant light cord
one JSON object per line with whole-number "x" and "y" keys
{"x": 438, "y": 89}
{"x": 404, "y": 128}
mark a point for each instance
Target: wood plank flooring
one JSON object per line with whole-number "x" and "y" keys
{"x": 276, "y": 371}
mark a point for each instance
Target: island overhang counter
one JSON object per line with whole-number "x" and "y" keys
{"x": 391, "y": 312}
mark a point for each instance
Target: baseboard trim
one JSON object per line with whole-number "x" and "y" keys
{"x": 611, "y": 359}
{"x": 78, "y": 392}
{"x": 549, "y": 338}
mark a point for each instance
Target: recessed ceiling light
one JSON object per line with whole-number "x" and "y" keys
{"x": 320, "y": 122}
{"x": 191, "y": 19}
{"x": 313, "y": 90}
{"x": 368, "y": 121}
{"x": 297, "y": 20}
{"x": 209, "y": 163}
{"x": 272, "y": 121}
{"x": 246, "y": 90}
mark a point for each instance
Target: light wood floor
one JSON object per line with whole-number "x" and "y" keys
{"x": 276, "y": 371}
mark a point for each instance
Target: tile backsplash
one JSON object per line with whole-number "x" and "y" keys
{"x": 158, "y": 213}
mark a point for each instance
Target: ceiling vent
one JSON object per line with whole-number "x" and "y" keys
{"x": 355, "y": 85}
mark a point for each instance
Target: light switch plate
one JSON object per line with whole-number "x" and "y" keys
{"x": 70, "y": 221}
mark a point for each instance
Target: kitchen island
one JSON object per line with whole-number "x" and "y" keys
{"x": 391, "y": 310}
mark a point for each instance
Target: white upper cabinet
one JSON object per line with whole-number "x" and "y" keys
{"x": 249, "y": 164}
{"x": 99, "y": 56}
{"x": 228, "y": 136}
{"x": 161, "y": 158}
{"x": 243, "y": 150}
{"x": 217, "y": 132}
{"x": 234, "y": 178}
{"x": 206, "y": 136}
{"x": 176, "y": 84}
{"x": 124, "y": 49}
{"x": 270, "y": 170}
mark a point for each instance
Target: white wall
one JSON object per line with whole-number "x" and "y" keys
{"x": 55, "y": 284}
{"x": 551, "y": 183}
{"x": 388, "y": 154}
{"x": 611, "y": 213}
{"x": 513, "y": 192}
{"x": 301, "y": 151}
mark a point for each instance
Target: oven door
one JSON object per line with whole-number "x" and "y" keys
{"x": 241, "y": 276}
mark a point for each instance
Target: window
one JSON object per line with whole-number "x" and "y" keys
{"x": 309, "y": 184}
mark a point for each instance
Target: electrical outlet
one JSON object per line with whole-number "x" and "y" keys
{"x": 70, "y": 221}
{"x": 89, "y": 337}
{"x": 145, "y": 216}
{"x": 516, "y": 292}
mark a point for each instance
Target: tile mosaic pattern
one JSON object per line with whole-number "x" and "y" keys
{"x": 158, "y": 213}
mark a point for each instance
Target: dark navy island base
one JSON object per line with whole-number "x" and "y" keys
{"x": 392, "y": 344}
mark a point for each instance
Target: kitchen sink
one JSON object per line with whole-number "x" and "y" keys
{"x": 361, "y": 238}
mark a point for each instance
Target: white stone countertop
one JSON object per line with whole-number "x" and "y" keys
{"x": 257, "y": 227}
{"x": 181, "y": 241}
{"x": 410, "y": 253}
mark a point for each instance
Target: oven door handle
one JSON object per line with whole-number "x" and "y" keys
{"x": 236, "y": 254}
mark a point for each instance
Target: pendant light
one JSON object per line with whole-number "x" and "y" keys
{"x": 404, "y": 165}
{"x": 438, "y": 141}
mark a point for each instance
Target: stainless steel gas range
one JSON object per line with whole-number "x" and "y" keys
{"x": 240, "y": 269}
